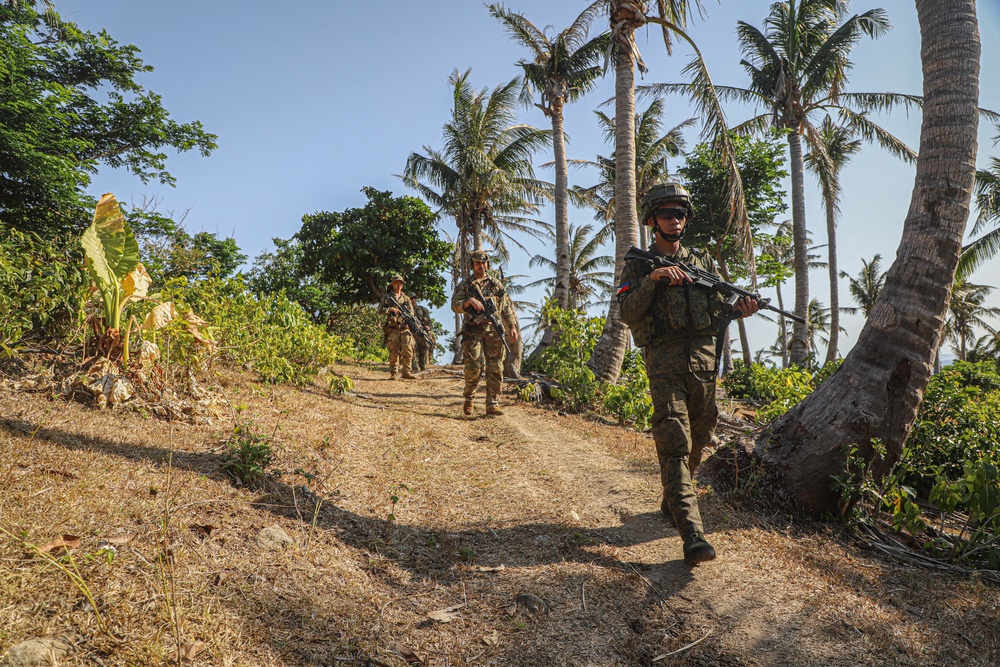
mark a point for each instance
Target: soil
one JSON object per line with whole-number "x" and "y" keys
{"x": 421, "y": 536}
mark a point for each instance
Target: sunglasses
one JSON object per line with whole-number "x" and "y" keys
{"x": 671, "y": 213}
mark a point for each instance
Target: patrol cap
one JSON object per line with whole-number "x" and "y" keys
{"x": 396, "y": 277}
{"x": 480, "y": 256}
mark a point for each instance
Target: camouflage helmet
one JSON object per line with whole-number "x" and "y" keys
{"x": 480, "y": 256}
{"x": 665, "y": 193}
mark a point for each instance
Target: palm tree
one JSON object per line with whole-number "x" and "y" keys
{"x": 588, "y": 275}
{"x": 865, "y": 289}
{"x": 653, "y": 147}
{"x": 876, "y": 392}
{"x": 838, "y": 145}
{"x": 966, "y": 312}
{"x": 483, "y": 176}
{"x": 988, "y": 203}
{"x": 562, "y": 70}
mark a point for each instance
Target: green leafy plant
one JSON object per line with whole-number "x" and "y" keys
{"x": 340, "y": 384}
{"x": 248, "y": 454}
{"x": 111, "y": 255}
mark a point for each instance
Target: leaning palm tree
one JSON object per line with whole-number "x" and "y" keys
{"x": 865, "y": 289}
{"x": 878, "y": 389}
{"x": 838, "y": 145}
{"x": 966, "y": 313}
{"x": 562, "y": 69}
{"x": 589, "y": 276}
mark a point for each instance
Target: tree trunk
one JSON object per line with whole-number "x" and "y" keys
{"x": 606, "y": 359}
{"x": 744, "y": 339}
{"x": 881, "y": 383}
{"x": 512, "y": 361}
{"x": 831, "y": 247}
{"x": 799, "y": 345}
{"x": 561, "y": 291}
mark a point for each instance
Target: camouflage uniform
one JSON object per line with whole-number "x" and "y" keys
{"x": 398, "y": 338}
{"x": 677, "y": 325}
{"x": 423, "y": 353}
{"x": 481, "y": 344}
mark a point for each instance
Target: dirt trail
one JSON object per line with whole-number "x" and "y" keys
{"x": 402, "y": 508}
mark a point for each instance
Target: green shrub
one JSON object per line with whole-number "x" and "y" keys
{"x": 564, "y": 361}
{"x": 629, "y": 400}
{"x": 42, "y": 289}
{"x": 270, "y": 333}
{"x": 248, "y": 454}
{"x": 779, "y": 389}
{"x": 361, "y": 327}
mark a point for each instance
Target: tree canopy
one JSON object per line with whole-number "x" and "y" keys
{"x": 357, "y": 251}
{"x": 70, "y": 103}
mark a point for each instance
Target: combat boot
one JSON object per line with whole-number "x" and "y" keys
{"x": 467, "y": 407}
{"x": 494, "y": 411}
{"x": 697, "y": 549}
{"x": 407, "y": 375}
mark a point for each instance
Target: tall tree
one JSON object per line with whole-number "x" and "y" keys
{"x": 69, "y": 104}
{"x": 562, "y": 69}
{"x": 876, "y": 392}
{"x": 838, "y": 146}
{"x": 866, "y": 288}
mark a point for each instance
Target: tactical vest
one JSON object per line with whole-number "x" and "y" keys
{"x": 677, "y": 311}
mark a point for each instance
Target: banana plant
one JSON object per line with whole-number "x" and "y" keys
{"x": 112, "y": 258}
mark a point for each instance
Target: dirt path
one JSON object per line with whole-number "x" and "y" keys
{"x": 403, "y": 514}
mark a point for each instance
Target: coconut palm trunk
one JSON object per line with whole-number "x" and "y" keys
{"x": 881, "y": 383}
{"x": 798, "y": 348}
{"x": 606, "y": 359}
{"x": 561, "y": 291}
{"x": 831, "y": 248}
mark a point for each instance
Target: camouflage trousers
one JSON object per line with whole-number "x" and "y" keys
{"x": 483, "y": 349}
{"x": 400, "y": 345}
{"x": 684, "y": 418}
{"x": 422, "y": 357}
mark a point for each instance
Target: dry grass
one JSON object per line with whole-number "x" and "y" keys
{"x": 532, "y": 502}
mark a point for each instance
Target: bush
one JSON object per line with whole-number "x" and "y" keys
{"x": 565, "y": 359}
{"x": 42, "y": 289}
{"x": 270, "y": 333}
{"x": 779, "y": 389}
{"x": 629, "y": 400}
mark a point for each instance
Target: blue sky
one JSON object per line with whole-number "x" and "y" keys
{"x": 314, "y": 100}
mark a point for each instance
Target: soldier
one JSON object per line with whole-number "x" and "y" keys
{"x": 481, "y": 342}
{"x": 423, "y": 353}
{"x": 678, "y": 326}
{"x": 398, "y": 338}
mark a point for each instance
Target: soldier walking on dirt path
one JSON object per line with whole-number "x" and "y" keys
{"x": 482, "y": 344}
{"x": 398, "y": 339}
{"x": 423, "y": 354}
{"x": 678, "y": 326}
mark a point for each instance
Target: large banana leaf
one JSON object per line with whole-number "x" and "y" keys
{"x": 111, "y": 253}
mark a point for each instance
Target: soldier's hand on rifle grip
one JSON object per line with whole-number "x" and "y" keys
{"x": 746, "y": 306}
{"x": 392, "y": 310}
{"x": 673, "y": 275}
{"x": 474, "y": 303}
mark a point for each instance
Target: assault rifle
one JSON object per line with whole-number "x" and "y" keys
{"x": 411, "y": 321}
{"x": 708, "y": 281}
{"x": 489, "y": 314}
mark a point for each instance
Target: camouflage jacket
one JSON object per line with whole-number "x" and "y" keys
{"x": 394, "y": 320}
{"x": 492, "y": 290}
{"x": 677, "y": 324}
